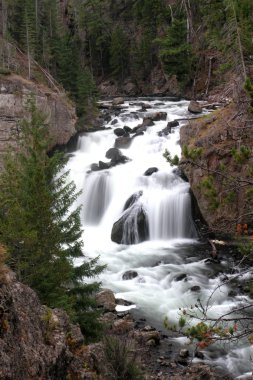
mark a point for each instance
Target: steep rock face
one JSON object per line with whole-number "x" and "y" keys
{"x": 37, "y": 342}
{"x": 13, "y": 94}
{"x": 216, "y": 173}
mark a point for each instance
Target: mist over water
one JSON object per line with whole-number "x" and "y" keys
{"x": 172, "y": 248}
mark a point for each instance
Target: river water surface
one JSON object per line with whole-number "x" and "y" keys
{"x": 173, "y": 248}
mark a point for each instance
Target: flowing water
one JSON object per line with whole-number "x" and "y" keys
{"x": 163, "y": 198}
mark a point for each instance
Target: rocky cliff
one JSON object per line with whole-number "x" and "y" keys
{"x": 218, "y": 162}
{"x": 14, "y": 90}
{"x": 37, "y": 342}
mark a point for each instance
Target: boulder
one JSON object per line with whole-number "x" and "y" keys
{"x": 114, "y": 121}
{"x": 131, "y": 200}
{"x": 123, "y": 142}
{"x": 180, "y": 277}
{"x": 118, "y": 101}
{"x": 146, "y": 336}
{"x": 104, "y": 165}
{"x": 119, "y": 132}
{"x": 150, "y": 171}
{"x": 129, "y": 275}
{"x": 116, "y": 157}
{"x": 94, "y": 167}
{"x": 195, "y": 288}
{"x": 113, "y": 153}
{"x": 105, "y": 298}
{"x": 127, "y": 129}
{"x": 136, "y": 225}
{"x": 194, "y": 107}
{"x": 157, "y": 116}
{"x": 168, "y": 129}
{"x": 147, "y": 122}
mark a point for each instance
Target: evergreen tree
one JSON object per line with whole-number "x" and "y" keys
{"x": 119, "y": 52}
{"x": 175, "y": 52}
{"x": 41, "y": 230}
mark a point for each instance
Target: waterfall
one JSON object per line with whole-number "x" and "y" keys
{"x": 170, "y": 215}
{"x": 97, "y": 196}
{"x": 150, "y": 210}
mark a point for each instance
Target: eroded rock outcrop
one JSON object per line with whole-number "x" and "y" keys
{"x": 223, "y": 159}
{"x": 37, "y": 342}
{"x": 14, "y": 91}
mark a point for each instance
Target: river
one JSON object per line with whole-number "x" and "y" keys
{"x": 173, "y": 262}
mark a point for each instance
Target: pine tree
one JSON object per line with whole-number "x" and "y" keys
{"x": 175, "y": 52}
{"x": 119, "y": 52}
{"x": 39, "y": 228}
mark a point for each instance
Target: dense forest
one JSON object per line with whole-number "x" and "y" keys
{"x": 82, "y": 42}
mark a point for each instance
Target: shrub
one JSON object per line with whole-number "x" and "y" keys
{"x": 122, "y": 360}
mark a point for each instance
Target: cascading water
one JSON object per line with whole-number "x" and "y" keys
{"x": 154, "y": 210}
{"x": 97, "y": 195}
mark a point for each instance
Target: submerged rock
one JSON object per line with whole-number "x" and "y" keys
{"x": 180, "y": 277}
{"x": 114, "y": 121}
{"x": 195, "y": 288}
{"x": 129, "y": 275}
{"x": 147, "y": 122}
{"x": 123, "y": 142}
{"x": 157, "y": 116}
{"x": 150, "y": 171}
{"x": 168, "y": 129}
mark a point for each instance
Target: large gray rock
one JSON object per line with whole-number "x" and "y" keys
{"x": 106, "y": 299}
{"x": 194, "y": 107}
{"x": 116, "y": 157}
{"x": 117, "y": 101}
{"x": 135, "y": 225}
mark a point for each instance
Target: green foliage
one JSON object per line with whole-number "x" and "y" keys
{"x": 175, "y": 53}
{"x": 207, "y": 185}
{"x": 119, "y": 52}
{"x": 121, "y": 357}
{"x": 241, "y": 155}
{"x": 248, "y": 86}
{"x": 193, "y": 153}
{"x": 172, "y": 161}
{"x": 4, "y": 71}
{"x": 230, "y": 197}
{"x": 41, "y": 230}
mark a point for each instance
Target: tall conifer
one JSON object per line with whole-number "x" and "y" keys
{"x": 40, "y": 228}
